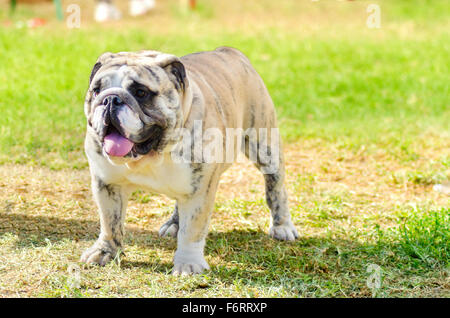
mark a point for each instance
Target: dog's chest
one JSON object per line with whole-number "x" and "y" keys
{"x": 169, "y": 178}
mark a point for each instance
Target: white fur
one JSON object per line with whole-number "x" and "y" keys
{"x": 171, "y": 179}
{"x": 160, "y": 174}
{"x": 129, "y": 120}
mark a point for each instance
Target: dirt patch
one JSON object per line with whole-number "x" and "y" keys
{"x": 315, "y": 172}
{"x": 47, "y": 218}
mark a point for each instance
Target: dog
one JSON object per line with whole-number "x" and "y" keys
{"x": 140, "y": 106}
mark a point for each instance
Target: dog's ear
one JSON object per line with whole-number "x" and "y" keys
{"x": 100, "y": 62}
{"x": 177, "y": 73}
{"x": 94, "y": 71}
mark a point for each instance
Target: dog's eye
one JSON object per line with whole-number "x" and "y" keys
{"x": 140, "y": 93}
{"x": 96, "y": 91}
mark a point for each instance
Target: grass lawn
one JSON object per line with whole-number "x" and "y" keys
{"x": 365, "y": 118}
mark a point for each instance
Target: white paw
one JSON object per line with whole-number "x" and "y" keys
{"x": 101, "y": 253}
{"x": 185, "y": 269}
{"x": 285, "y": 232}
{"x": 188, "y": 264}
{"x": 169, "y": 229}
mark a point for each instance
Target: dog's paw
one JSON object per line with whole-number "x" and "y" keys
{"x": 169, "y": 229}
{"x": 188, "y": 264}
{"x": 285, "y": 232}
{"x": 184, "y": 269}
{"x": 101, "y": 253}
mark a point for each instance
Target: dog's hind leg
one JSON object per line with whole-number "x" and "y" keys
{"x": 281, "y": 227}
{"x": 268, "y": 158}
{"x": 170, "y": 228}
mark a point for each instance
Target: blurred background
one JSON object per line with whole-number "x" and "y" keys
{"x": 356, "y": 71}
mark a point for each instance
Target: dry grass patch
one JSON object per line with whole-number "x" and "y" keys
{"x": 341, "y": 200}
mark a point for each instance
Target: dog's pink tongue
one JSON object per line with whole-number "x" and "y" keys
{"x": 116, "y": 145}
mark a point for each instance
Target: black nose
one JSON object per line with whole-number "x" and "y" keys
{"x": 112, "y": 100}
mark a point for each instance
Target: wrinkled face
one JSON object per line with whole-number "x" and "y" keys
{"x": 134, "y": 102}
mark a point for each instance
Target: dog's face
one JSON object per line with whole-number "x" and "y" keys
{"x": 134, "y": 102}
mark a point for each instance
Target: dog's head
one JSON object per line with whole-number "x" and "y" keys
{"x": 134, "y": 102}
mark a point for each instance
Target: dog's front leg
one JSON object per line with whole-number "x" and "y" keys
{"x": 194, "y": 216}
{"x": 112, "y": 202}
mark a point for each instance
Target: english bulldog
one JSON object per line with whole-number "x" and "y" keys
{"x": 148, "y": 114}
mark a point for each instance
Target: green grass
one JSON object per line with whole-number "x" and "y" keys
{"x": 426, "y": 237}
{"x": 370, "y": 87}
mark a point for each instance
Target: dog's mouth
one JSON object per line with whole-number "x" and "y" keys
{"x": 124, "y": 132}
{"x": 116, "y": 145}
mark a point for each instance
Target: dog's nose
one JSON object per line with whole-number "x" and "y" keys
{"x": 112, "y": 100}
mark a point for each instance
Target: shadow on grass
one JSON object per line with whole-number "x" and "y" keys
{"x": 236, "y": 246}
{"x": 238, "y": 256}
{"x": 253, "y": 257}
{"x": 35, "y": 231}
